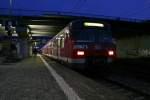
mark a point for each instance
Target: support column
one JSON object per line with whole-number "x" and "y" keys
{"x": 24, "y": 48}
{"x": 23, "y": 44}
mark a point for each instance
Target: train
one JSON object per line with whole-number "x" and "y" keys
{"x": 82, "y": 44}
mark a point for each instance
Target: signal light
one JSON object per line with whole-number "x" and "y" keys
{"x": 110, "y": 52}
{"x": 80, "y": 53}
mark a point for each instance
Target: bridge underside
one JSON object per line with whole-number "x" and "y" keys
{"x": 130, "y": 36}
{"x": 52, "y": 24}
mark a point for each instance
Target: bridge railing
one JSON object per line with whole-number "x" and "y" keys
{"x": 22, "y": 12}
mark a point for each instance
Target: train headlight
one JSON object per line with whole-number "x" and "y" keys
{"x": 110, "y": 52}
{"x": 80, "y": 53}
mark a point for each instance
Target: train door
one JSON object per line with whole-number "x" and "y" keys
{"x": 66, "y": 45}
{"x": 55, "y": 48}
{"x": 58, "y": 47}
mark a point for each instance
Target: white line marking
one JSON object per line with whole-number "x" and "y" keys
{"x": 68, "y": 91}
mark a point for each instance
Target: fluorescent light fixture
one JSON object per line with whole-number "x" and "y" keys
{"x": 93, "y": 24}
{"x": 39, "y": 26}
{"x": 40, "y": 32}
{"x": 40, "y": 35}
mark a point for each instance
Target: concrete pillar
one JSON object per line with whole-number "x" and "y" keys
{"x": 24, "y": 48}
{"x": 23, "y": 44}
{"x": 30, "y": 50}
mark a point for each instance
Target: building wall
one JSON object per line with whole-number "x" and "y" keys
{"x": 133, "y": 47}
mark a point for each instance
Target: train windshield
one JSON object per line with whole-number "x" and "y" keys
{"x": 92, "y": 35}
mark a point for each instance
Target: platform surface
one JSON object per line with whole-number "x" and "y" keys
{"x": 32, "y": 79}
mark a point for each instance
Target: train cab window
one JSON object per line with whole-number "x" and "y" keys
{"x": 93, "y": 35}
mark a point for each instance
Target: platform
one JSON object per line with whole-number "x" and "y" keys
{"x": 38, "y": 79}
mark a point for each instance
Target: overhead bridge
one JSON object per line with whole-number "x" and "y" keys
{"x": 50, "y": 24}
{"x": 53, "y": 23}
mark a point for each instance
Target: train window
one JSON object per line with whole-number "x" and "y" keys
{"x": 67, "y": 35}
{"x": 52, "y": 44}
{"x": 93, "y": 35}
{"x": 55, "y": 43}
{"x": 58, "y": 41}
{"x": 62, "y": 36}
{"x": 62, "y": 42}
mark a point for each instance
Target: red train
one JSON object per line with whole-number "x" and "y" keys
{"x": 83, "y": 43}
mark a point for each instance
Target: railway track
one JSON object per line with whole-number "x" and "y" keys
{"x": 132, "y": 92}
{"x": 131, "y": 87}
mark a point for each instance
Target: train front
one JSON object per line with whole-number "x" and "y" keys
{"x": 93, "y": 44}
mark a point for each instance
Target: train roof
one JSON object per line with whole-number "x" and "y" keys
{"x": 88, "y": 20}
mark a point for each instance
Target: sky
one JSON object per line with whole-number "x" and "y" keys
{"x": 136, "y": 9}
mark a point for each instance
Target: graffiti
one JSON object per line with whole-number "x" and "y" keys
{"x": 132, "y": 52}
{"x": 144, "y": 52}
{"x": 138, "y": 52}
